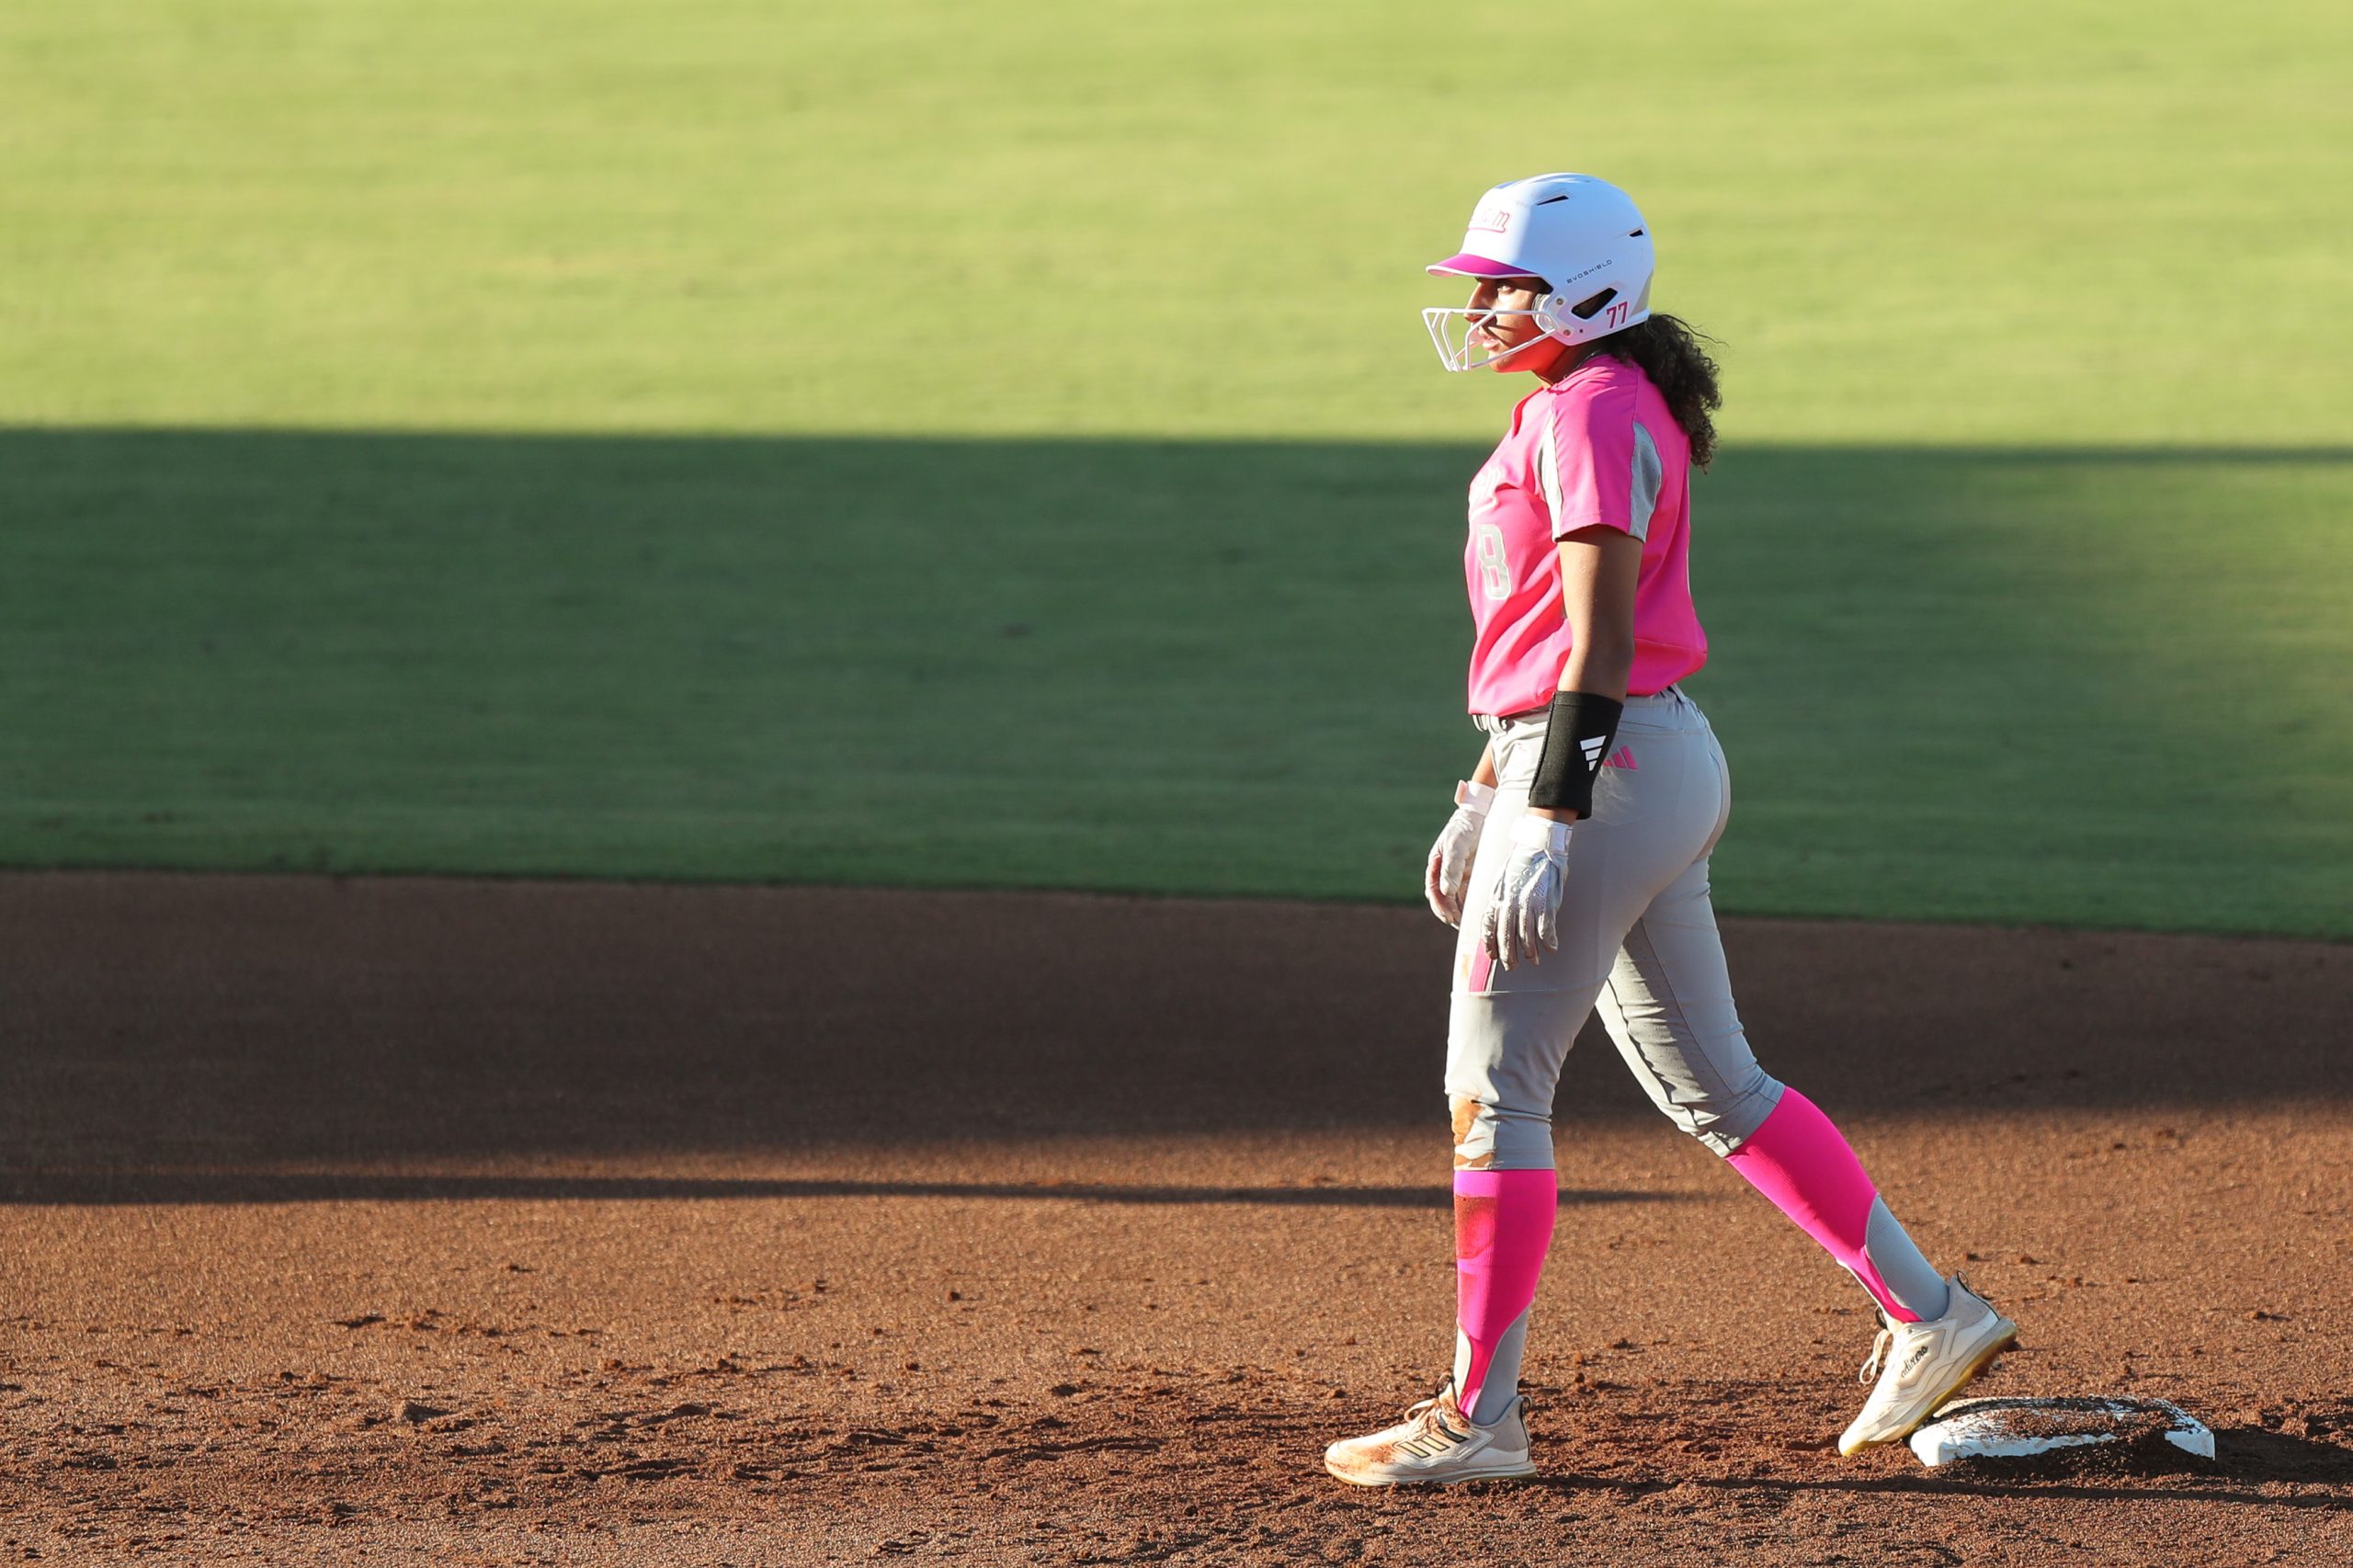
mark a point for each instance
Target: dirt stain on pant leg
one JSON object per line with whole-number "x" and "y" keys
{"x": 1466, "y": 1114}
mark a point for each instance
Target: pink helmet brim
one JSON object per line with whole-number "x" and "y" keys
{"x": 1468, "y": 266}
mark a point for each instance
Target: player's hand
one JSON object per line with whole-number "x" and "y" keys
{"x": 1524, "y": 915}
{"x": 1447, "y": 876}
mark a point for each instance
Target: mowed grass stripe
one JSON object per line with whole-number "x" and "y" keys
{"x": 2019, "y": 224}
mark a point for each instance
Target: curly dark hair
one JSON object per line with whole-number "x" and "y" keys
{"x": 1667, "y": 350}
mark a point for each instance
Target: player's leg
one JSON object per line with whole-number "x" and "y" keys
{"x": 1668, "y": 1007}
{"x": 1504, "y": 1051}
{"x": 1510, "y": 1031}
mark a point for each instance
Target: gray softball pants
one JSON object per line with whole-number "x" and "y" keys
{"x": 1638, "y": 940}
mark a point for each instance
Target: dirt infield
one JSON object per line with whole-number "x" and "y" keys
{"x": 434, "y": 1220}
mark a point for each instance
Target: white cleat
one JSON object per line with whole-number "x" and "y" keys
{"x": 1922, "y": 1365}
{"x": 1436, "y": 1443}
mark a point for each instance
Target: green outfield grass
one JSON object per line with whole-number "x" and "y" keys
{"x": 1175, "y": 666}
{"x": 993, "y": 445}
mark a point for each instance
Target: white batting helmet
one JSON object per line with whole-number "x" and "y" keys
{"x": 1584, "y": 236}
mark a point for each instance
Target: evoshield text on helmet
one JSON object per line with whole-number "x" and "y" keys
{"x": 1583, "y": 236}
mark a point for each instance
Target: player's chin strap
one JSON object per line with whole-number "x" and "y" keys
{"x": 1457, "y": 356}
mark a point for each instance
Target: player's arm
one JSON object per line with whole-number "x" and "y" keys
{"x": 1486, "y": 772}
{"x": 1600, "y": 567}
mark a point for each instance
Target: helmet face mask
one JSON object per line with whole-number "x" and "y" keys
{"x": 1456, "y": 344}
{"x": 1582, "y": 236}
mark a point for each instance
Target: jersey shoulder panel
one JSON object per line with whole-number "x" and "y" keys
{"x": 1588, "y": 449}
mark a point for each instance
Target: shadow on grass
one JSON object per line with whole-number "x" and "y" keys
{"x": 1955, "y": 684}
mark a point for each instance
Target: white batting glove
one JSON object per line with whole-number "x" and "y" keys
{"x": 1524, "y": 915}
{"x": 1447, "y": 876}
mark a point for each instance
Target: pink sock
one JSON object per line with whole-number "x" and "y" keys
{"x": 1799, "y": 1161}
{"x": 1503, "y": 1226}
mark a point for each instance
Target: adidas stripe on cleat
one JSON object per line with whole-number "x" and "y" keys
{"x": 1436, "y": 1444}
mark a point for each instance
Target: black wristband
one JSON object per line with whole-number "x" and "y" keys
{"x": 1576, "y": 739}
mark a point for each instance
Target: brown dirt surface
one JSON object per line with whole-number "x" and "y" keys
{"x": 433, "y": 1221}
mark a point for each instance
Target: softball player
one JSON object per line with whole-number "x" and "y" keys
{"x": 1575, "y": 864}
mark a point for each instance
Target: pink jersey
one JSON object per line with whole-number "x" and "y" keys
{"x": 1600, "y": 447}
